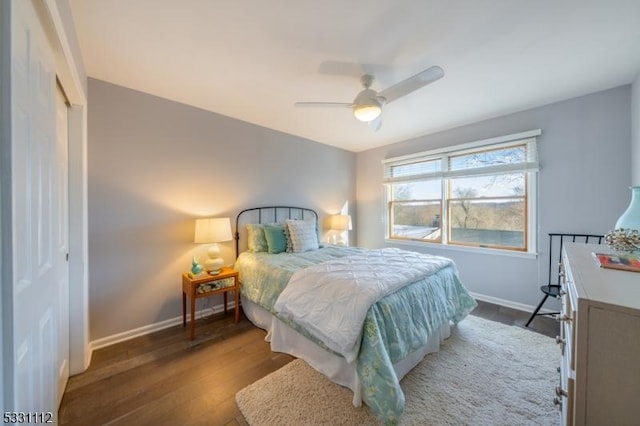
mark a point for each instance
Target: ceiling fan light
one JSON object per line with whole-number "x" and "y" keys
{"x": 367, "y": 113}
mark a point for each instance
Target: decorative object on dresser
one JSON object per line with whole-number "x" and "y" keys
{"x": 624, "y": 262}
{"x": 205, "y": 286}
{"x": 623, "y": 239}
{"x": 626, "y": 234}
{"x": 339, "y": 223}
{"x": 600, "y": 348}
{"x": 630, "y": 219}
{"x": 556, "y": 242}
{"x": 213, "y": 231}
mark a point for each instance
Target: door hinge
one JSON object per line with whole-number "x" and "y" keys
{"x": 67, "y": 259}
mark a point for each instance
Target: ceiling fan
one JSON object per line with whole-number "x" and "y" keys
{"x": 367, "y": 106}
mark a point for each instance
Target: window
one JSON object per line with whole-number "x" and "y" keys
{"x": 480, "y": 194}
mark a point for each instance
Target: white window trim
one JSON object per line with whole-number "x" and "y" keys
{"x": 467, "y": 249}
{"x": 532, "y": 189}
{"x": 462, "y": 147}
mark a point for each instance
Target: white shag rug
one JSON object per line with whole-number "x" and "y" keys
{"x": 486, "y": 373}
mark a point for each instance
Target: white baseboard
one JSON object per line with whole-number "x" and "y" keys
{"x": 151, "y": 328}
{"x": 508, "y": 303}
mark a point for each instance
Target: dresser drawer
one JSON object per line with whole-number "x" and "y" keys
{"x": 569, "y": 313}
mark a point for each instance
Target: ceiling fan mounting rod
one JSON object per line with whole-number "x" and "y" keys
{"x": 366, "y": 80}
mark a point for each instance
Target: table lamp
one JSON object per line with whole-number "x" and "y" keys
{"x": 339, "y": 223}
{"x": 213, "y": 231}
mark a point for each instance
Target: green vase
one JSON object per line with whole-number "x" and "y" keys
{"x": 630, "y": 219}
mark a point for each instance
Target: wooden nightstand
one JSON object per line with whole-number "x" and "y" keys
{"x": 206, "y": 286}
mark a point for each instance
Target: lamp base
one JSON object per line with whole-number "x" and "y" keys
{"x": 214, "y": 263}
{"x": 213, "y": 266}
{"x": 338, "y": 239}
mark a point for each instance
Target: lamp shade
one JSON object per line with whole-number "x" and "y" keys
{"x": 213, "y": 230}
{"x": 340, "y": 222}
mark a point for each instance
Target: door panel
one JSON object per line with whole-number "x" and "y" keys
{"x": 37, "y": 264}
{"x": 21, "y": 255}
{"x": 47, "y": 336}
{"x": 24, "y": 391}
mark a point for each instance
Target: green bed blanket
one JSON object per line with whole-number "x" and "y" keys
{"x": 394, "y": 327}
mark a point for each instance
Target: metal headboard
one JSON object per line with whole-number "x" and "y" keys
{"x": 271, "y": 214}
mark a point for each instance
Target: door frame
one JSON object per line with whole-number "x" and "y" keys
{"x": 56, "y": 18}
{"x": 70, "y": 72}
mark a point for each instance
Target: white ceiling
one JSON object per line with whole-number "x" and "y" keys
{"x": 252, "y": 59}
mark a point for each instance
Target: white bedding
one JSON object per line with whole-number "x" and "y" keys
{"x": 286, "y": 340}
{"x": 331, "y": 299}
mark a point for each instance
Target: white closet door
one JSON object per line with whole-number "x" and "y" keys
{"x": 37, "y": 261}
{"x": 62, "y": 244}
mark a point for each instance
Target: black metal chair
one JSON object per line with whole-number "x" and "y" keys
{"x": 556, "y": 242}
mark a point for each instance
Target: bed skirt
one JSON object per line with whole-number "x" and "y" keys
{"x": 285, "y": 339}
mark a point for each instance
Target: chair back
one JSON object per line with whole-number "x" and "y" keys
{"x": 556, "y": 242}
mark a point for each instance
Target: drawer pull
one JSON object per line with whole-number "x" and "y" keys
{"x": 562, "y": 293}
{"x": 557, "y": 402}
{"x": 566, "y": 318}
{"x": 561, "y": 392}
{"x": 560, "y": 340}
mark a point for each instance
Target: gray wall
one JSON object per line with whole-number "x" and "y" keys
{"x": 583, "y": 185}
{"x": 635, "y": 132}
{"x": 154, "y": 166}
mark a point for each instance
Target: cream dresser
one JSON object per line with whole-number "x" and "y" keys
{"x": 599, "y": 341}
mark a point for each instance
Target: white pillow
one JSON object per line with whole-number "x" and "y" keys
{"x": 303, "y": 234}
{"x": 288, "y": 237}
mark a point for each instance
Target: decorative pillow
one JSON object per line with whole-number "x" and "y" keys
{"x": 276, "y": 241}
{"x": 303, "y": 234}
{"x": 256, "y": 241}
{"x": 288, "y": 237}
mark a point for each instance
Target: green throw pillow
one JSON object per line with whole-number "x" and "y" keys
{"x": 276, "y": 240}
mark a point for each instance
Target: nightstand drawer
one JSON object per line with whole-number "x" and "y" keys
{"x": 203, "y": 288}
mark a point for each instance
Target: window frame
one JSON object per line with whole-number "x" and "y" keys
{"x": 529, "y": 167}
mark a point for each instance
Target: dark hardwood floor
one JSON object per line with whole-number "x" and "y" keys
{"x": 164, "y": 378}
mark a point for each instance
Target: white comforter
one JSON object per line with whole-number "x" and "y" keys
{"x": 331, "y": 299}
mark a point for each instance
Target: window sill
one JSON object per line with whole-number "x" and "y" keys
{"x": 478, "y": 250}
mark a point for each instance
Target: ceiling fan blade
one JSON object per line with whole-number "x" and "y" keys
{"x": 407, "y": 86}
{"x": 376, "y": 124}
{"x": 324, "y": 104}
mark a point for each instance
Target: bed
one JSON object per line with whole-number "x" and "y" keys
{"x": 361, "y": 317}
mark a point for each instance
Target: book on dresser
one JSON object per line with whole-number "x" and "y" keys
{"x": 622, "y": 261}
